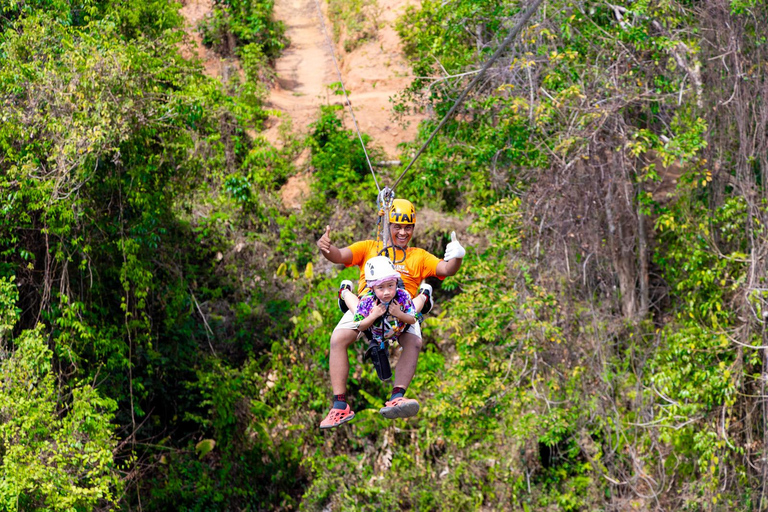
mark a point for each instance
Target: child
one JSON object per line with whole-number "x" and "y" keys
{"x": 384, "y": 299}
{"x": 394, "y": 309}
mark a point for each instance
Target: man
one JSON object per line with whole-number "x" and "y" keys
{"x": 417, "y": 266}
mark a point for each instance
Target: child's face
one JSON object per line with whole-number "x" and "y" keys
{"x": 385, "y": 291}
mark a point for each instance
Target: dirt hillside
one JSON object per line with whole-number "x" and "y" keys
{"x": 372, "y": 73}
{"x": 195, "y": 11}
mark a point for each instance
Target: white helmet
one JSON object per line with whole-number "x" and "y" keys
{"x": 378, "y": 270}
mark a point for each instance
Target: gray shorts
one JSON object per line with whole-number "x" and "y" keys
{"x": 348, "y": 322}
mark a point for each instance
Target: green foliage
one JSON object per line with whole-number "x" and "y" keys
{"x": 56, "y": 444}
{"x": 108, "y": 138}
{"x": 255, "y": 64}
{"x": 187, "y": 317}
{"x": 244, "y": 22}
{"x": 217, "y": 473}
{"x": 357, "y": 19}
{"x": 9, "y": 312}
{"x": 436, "y": 28}
{"x": 69, "y": 13}
{"x": 455, "y": 170}
{"x": 704, "y": 258}
{"x": 453, "y": 174}
{"x": 341, "y": 168}
{"x": 695, "y": 370}
{"x": 144, "y": 18}
{"x": 554, "y": 99}
{"x": 742, "y": 6}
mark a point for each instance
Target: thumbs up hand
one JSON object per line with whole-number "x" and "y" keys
{"x": 454, "y": 249}
{"x": 324, "y": 243}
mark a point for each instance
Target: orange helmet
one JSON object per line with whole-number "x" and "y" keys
{"x": 402, "y": 212}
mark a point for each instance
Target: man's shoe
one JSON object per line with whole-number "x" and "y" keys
{"x": 336, "y": 417}
{"x": 400, "y": 407}
{"x": 345, "y": 285}
{"x": 426, "y": 289}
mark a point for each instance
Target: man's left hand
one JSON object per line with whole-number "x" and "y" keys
{"x": 454, "y": 249}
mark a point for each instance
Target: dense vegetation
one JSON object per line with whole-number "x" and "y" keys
{"x": 164, "y": 321}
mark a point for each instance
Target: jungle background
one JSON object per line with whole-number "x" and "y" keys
{"x": 165, "y": 315}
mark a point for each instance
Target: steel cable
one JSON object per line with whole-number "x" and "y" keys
{"x": 526, "y": 16}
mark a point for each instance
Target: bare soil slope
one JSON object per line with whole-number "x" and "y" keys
{"x": 373, "y": 73}
{"x": 193, "y": 12}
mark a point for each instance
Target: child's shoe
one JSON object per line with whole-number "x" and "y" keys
{"x": 336, "y": 417}
{"x": 400, "y": 407}
{"x": 345, "y": 285}
{"x": 427, "y": 291}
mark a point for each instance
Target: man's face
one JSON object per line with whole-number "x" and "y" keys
{"x": 401, "y": 234}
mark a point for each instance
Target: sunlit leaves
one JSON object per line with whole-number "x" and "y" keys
{"x": 57, "y": 450}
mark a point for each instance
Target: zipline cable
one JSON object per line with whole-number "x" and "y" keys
{"x": 526, "y": 16}
{"x": 346, "y": 96}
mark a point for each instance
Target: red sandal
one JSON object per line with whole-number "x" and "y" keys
{"x": 336, "y": 417}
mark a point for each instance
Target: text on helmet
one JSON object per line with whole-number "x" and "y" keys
{"x": 402, "y": 218}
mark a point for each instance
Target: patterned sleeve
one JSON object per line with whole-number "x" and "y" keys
{"x": 364, "y": 307}
{"x": 404, "y": 299}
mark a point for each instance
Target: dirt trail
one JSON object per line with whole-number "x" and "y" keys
{"x": 303, "y": 70}
{"x": 372, "y": 73}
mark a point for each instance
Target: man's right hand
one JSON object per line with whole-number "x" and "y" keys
{"x": 331, "y": 252}
{"x": 324, "y": 243}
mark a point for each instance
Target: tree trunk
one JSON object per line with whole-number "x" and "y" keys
{"x": 621, "y": 252}
{"x": 642, "y": 257}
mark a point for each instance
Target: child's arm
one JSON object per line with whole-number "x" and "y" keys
{"x": 376, "y": 312}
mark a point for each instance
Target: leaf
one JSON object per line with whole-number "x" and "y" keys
{"x": 376, "y": 402}
{"x": 309, "y": 271}
{"x": 260, "y": 409}
{"x": 204, "y": 447}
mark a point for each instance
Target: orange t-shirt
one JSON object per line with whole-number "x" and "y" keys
{"x": 418, "y": 264}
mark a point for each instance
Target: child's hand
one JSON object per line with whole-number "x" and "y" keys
{"x": 378, "y": 310}
{"x": 396, "y": 310}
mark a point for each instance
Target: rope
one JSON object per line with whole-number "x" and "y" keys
{"x": 526, "y": 16}
{"x": 344, "y": 89}
{"x": 384, "y": 203}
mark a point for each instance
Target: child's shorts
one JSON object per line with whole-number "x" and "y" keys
{"x": 348, "y": 322}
